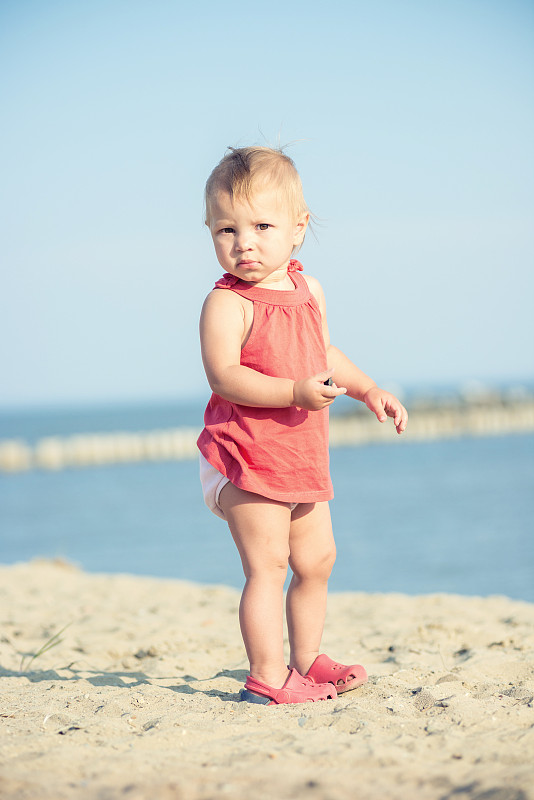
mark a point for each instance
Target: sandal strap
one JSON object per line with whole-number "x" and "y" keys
{"x": 325, "y": 669}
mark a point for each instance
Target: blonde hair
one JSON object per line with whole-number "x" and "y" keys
{"x": 243, "y": 170}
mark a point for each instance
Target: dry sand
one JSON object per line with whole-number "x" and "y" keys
{"x": 140, "y": 698}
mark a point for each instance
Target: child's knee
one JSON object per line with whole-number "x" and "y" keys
{"x": 328, "y": 560}
{"x": 315, "y": 565}
{"x": 272, "y": 571}
{"x": 268, "y": 564}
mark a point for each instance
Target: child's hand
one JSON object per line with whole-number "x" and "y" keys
{"x": 312, "y": 393}
{"x": 384, "y": 405}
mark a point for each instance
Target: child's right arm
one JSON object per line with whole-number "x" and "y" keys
{"x": 222, "y": 332}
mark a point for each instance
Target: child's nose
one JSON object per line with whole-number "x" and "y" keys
{"x": 242, "y": 242}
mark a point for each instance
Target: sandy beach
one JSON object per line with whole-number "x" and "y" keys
{"x": 139, "y": 697}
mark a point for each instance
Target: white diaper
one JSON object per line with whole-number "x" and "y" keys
{"x": 213, "y": 482}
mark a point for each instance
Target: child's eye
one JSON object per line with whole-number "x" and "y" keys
{"x": 226, "y": 230}
{"x": 263, "y": 226}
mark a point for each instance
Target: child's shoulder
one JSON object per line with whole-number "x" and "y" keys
{"x": 220, "y": 295}
{"x": 219, "y": 301}
{"x": 315, "y": 287}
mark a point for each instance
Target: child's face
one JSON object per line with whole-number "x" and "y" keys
{"x": 255, "y": 242}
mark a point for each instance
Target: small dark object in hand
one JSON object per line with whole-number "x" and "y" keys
{"x": 329, "y": 382}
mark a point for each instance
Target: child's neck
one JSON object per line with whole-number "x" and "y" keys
{"x": 284, "y": 284}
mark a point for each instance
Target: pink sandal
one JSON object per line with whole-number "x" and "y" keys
{"x": 297, "y": 689}
{"x": 324, "y": 670}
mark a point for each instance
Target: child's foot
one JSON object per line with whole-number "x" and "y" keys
{"x": 296, "y": 689}
{"x": 324, "y": 670}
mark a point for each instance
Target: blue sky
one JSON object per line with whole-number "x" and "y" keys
{"x": 412, "y": 126}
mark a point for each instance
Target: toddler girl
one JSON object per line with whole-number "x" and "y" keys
{"x": 264, "y": 448}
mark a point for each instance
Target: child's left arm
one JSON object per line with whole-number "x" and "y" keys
{"x": 361, "y": 387}
{"x": 358, "y": 385}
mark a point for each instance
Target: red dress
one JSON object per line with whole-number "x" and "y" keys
{"x": 280, "y": 453}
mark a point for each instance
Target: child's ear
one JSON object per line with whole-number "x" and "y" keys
{"x": 300, "y": 228}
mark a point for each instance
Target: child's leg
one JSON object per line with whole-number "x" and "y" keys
{"x": 312, "y": 556}
{"x": 260, "y": 528}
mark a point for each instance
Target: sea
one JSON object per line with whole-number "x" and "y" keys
{"x": 452, "y": 516}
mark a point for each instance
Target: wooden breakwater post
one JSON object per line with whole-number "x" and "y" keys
{"x": 84, "y": 450}
{"x": 431, "y": 424}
